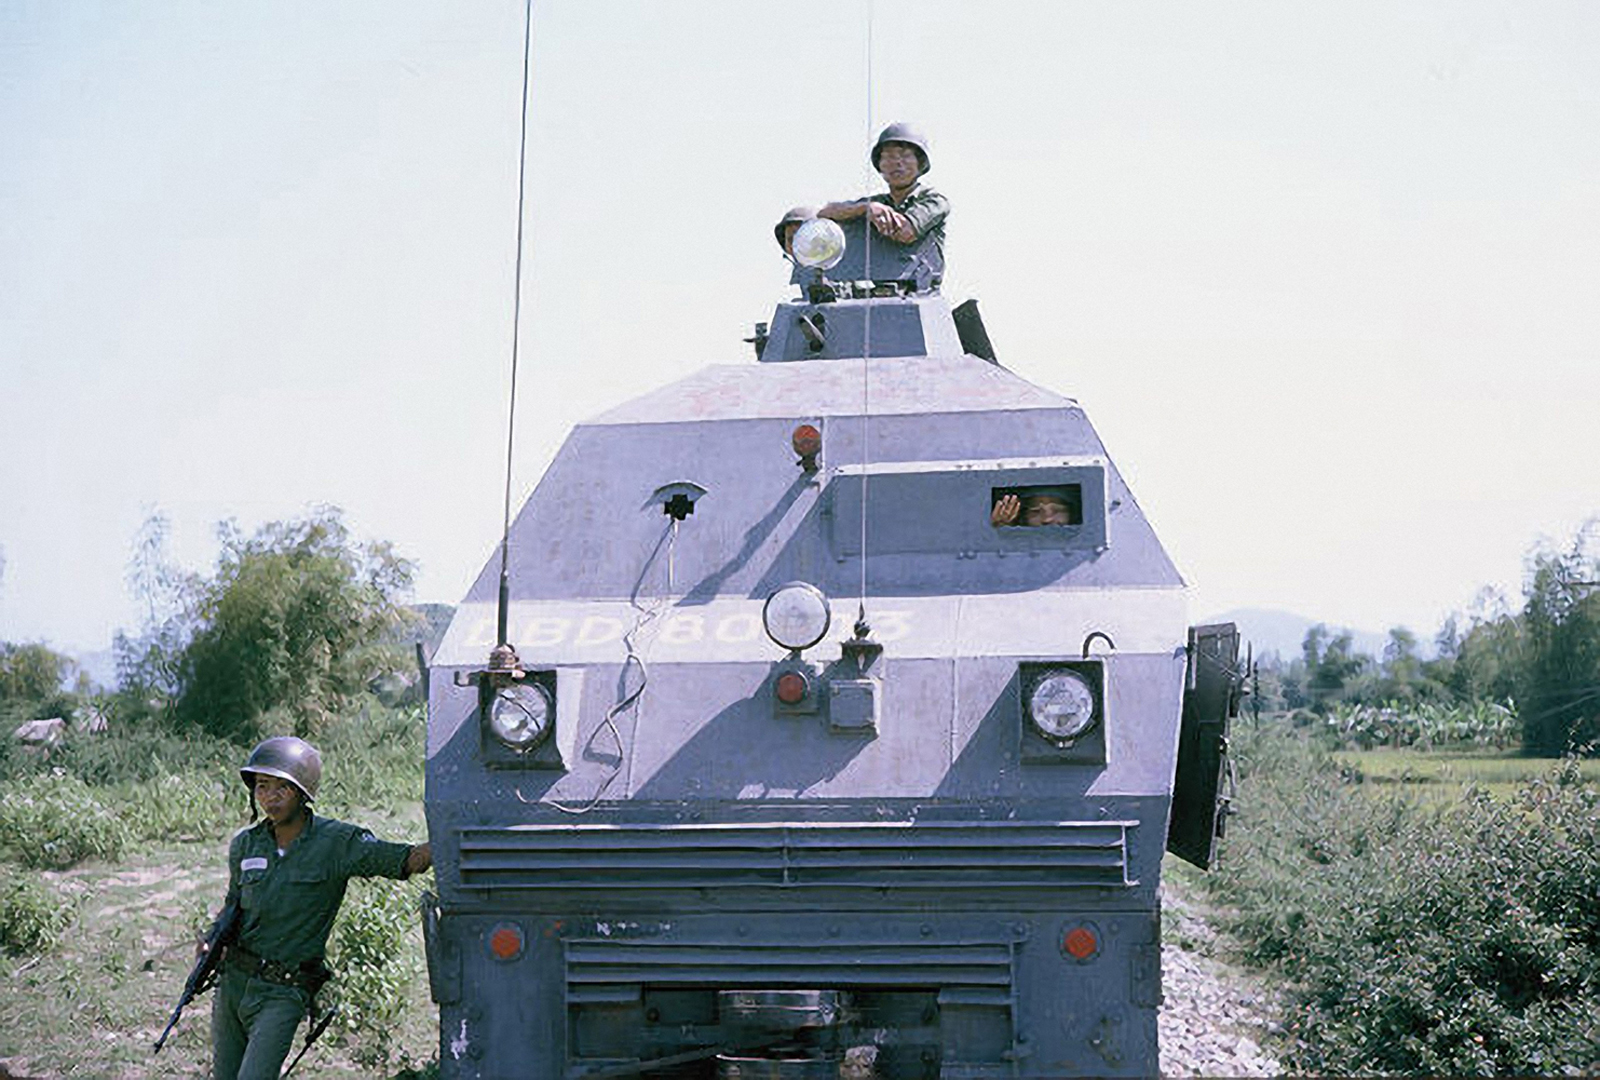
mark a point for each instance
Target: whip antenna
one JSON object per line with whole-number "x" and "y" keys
{"x": 862, "y": 629}
{"x": 516, "y": 327}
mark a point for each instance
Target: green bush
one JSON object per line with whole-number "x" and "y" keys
{"x": 145, "y": 752}
{"x": 55, "y": 820}
{"x": 33, "y": 674}
{"x": 1425, "y": 725}
{"x": 187, "y": 806}
{"x": 129, "y": 753}
{"x": 376, "y": 950}
{"x": 292, "y": 620}
{"x": 1462, "y": 940}
{"x": 32, "y": 918}
{"x": 374, "y": 759}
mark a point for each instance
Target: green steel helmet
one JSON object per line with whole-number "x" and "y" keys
{"x": 795, "y": 216}
{"x": 287, "y": 758}
{"x": 903, "y": 133}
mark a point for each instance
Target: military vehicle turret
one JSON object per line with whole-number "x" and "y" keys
{"x": 801, "y": 762}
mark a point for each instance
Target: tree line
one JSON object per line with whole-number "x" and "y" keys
{"x": 294, "y": 622}
{"x": 1541, "y": 661}
{"x": 298, "y": 617}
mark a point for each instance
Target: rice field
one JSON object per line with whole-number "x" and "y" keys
{"x": 1439, "y": 774}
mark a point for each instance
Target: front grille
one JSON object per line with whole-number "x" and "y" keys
{"x": 939, "y": 855}
{"x": 596, "y": 968}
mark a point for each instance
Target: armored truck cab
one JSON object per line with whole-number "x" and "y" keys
{"x": 803, "y": 766}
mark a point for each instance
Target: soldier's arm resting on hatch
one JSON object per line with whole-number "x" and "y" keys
{"x": 925, "y": 209}
{"x": 892, "y": 223}
{"x": 844, "y": 211}
{"x": 886, "y": 219}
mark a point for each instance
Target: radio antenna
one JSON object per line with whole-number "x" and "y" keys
{"x": 862, "y": 628}
{"x": 504, "y": 602}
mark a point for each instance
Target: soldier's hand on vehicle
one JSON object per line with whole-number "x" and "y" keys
{"x": 419, "y": 859}
{"x": 882, "y": 217}
{"x": 1005, "y": 510}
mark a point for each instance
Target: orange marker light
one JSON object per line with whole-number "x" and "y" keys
{"x": 791, "y": 688}
{"x": 1080, "y": 943}
{"x": 806, "y": 440}
{"x": 505, "y": 942}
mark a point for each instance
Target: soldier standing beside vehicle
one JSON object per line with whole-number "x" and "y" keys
{"x": 911, "y": 212}
{"x": 287, "y": 874}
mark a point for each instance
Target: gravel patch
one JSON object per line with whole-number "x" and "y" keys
{"x": 1214, "y": 1016}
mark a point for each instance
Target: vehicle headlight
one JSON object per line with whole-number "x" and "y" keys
{"x": 519, "y": 715}
{"x": 1062, "y": 706}
{"x": 818, "y": 244}
{"x": 796, "y": 615}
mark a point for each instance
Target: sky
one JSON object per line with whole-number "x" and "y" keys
{"x": 1324, "y": 277}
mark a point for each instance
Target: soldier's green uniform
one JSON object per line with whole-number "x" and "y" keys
{"x": 923, "y": 208}
{"x": 287, "y": 900}
{"x": 287, "y": 904}
{"x": 926, "y": 209}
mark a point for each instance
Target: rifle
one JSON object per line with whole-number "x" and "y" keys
{"x": 203, "y": 976}
{"x": 312, "y": 1032}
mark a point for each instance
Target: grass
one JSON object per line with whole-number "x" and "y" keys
{"x": 93, "y": 1004}
{"x": 1423, "y": 927}
{"x": 1442, "y": 775}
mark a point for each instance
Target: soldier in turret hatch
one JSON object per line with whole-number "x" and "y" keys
{"x": 911, "y": 212}
{"x": 784, "y": 230}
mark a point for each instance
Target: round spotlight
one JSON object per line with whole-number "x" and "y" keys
{"x": 796, "y": 615}
{"x": 1062, "y": 706}
{"x": 818, "y": 244}
{"x": 520, "y": 714}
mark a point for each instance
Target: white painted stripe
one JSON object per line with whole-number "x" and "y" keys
{"x": 1053, "y": 623}
{"x": 983, "y": 465}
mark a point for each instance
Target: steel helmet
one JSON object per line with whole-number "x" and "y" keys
{"x": 287, "y": 758}
{"x": 903, "y": 133}
{"x": 794, "y": 216}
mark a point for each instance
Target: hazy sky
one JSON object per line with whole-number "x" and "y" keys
{"x": 1324, "y": 276}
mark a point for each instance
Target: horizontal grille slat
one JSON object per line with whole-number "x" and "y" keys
{"x": 667, "y": 954}
{"x": 612, "y": 967}
{"x": 937, "y": 855}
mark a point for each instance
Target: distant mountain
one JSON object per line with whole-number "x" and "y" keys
{"x": 1283, "y": 632}
{"x": 432, "y": 621}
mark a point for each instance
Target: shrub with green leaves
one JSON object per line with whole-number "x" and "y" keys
{"x": 376, "y": 953}
{"x": 187, "y": 806}
{"x": 1425, "y": 725}
{"x": 132, "y": 753}
{"x": 54, "y": 820}
{"x": 291, "y": 620}
{"x": 374, "y": 759}
{"x": 32, "y": 917}
{"x": 1454, "y": 940}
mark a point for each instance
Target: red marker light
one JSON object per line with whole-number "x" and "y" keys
{"x": 807, "y": 441}
{"x": 505, "y": 942}
{"x": 1080, "y": 943}
{"x": 791, "y": 688}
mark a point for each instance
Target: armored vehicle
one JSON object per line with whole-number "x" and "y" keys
{"x": 773, "y": 751}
